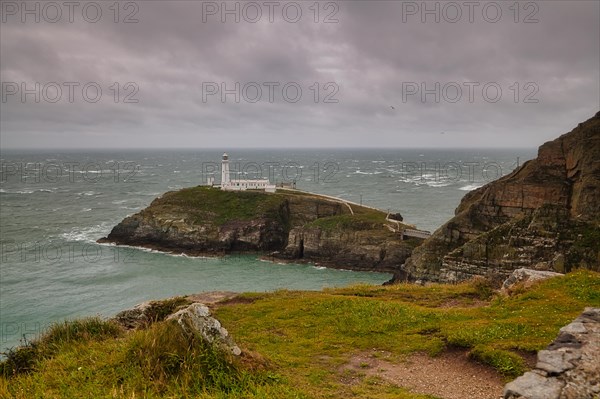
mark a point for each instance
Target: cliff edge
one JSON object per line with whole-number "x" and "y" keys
{"x": 545, "y": 215}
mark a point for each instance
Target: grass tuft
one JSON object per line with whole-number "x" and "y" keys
{"x": 23, "y": 359}
{"x": 507, "y": 363}
{"x": 164, "y": 352}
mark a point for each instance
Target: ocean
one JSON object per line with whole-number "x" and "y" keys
{"x": 54, "y": 205}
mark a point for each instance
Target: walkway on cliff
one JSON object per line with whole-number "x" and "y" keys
{"x": 412, "y": 232}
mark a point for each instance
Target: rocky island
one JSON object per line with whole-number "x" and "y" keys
{"x": 287, "y": 225}
{"x": 545, "y": 215}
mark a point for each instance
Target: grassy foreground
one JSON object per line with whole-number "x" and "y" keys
{"x": 295, "y": 343}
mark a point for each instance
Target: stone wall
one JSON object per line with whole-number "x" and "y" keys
{"x": 569, "y": 368}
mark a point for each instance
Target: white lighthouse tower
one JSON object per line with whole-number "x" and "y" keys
{"x": 225, "y": 179}
{"x": 241, "y": 184}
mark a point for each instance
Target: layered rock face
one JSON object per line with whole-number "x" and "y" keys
{"x": 545, "y": 216}
{"x": 288, "y": 225}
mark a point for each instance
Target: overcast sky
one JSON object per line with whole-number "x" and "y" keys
{"x": 370, "y": 73}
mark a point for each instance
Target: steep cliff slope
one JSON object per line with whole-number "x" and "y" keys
{"x": 287, "y": 224}
{"x": 545, "y": 215}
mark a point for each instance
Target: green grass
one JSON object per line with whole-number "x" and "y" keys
{"x": 295, "y": 342}
{"x": 298, "y": 328}
{"x": 362, "y": 219}
{"x": 347, "y": 222}
{"x": 210, "y": 204}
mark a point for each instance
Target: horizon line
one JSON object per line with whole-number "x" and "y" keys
{"x": 254, "y": 148}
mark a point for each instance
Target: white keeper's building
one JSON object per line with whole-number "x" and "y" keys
{"x": 240, "y": 184}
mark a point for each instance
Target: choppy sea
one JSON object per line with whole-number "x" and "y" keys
{"x": 55, "y": 205}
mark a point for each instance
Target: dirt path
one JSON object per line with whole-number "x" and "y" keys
{"x": 451, "y": 375}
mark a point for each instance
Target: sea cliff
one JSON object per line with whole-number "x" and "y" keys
{"x": 545, "y": 215}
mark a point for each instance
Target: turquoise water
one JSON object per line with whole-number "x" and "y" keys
{"x": 54, "y": 206}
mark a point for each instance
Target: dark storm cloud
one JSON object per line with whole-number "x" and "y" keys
{"x": 372, "y": 56}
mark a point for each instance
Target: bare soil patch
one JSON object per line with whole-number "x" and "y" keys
{"x": 213, "y": 297}
{"x": 450, "y": 375}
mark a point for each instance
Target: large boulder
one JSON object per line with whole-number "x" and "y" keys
{"x": 525, "y": 278}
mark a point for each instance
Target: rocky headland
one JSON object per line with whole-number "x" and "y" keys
{"x": 545, "y": 215}
{"x": 286, "y": 225}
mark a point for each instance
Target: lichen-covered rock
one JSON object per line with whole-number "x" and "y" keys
{"x": 196, "y": 319}
{"x": 569, "y": 368}
{"x": 525, "y": 278}
{"x": 545, "y": 215}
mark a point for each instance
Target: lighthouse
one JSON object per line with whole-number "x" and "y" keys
{"x": 238, "y": 184}
{"x": 225, "y": 181}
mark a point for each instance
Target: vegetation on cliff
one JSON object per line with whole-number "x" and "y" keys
{"x": 295, "y": 344}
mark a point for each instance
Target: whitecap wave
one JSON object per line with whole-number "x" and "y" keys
{"x": 26, "y": 191}
{"x": 87, "y": 234}
{"x": 471, "y": 187}
{"x": 88, "y": 193}
{"x": 438, "y": 184}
